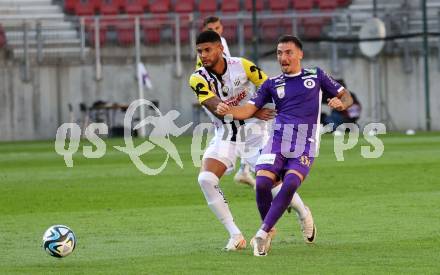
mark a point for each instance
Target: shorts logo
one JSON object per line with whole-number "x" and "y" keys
{"x": 309, "y": 83}
{"x": 266, "y": 159}
{"x": 280, "y": 91}
{"x": 305, "y": 161}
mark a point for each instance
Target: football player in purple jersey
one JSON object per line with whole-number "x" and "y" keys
{"x": 294, "y": 141}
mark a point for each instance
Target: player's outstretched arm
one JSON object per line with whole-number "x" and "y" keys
{"x": 342, "y": 101}
{"x": 211, "y": 104}
{"x": 238, "y": 112}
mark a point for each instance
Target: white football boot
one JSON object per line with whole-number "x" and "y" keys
{"x": 308, "y": 228}
{"x": 236, "y": 242}
{"x": 267, "y": 243}
{"x": 259, "y": 245}
{"x": 245, "y": 176}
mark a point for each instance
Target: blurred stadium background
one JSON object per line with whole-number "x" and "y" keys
{"x": 59, "y": 58}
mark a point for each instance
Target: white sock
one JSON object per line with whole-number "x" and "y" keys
{"x": 244, "y": 167}
{"x": 217, "y": 203}
{"x": 296, "y": 203}
{"x": 261, "y": 234}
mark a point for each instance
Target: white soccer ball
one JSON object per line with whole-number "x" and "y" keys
{"x": 59, "y": 241}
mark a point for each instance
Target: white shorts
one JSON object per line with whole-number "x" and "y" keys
{"x": 227, "y": 151}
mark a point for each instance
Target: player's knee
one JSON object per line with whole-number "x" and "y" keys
{"x": 267, "y": 174}
{"x": 207, "y": 178}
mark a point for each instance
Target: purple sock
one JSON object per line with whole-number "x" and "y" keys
{"x": 264, "y": 194}
{"x": 280, "y": 203}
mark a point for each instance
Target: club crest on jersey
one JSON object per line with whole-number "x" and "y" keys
{"x": 280, "y": 91}
{"x": 225, "y": 90}
{"x": 309, "y": 83}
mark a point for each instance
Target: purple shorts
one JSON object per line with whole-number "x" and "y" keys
{"x": 279, "y": 165}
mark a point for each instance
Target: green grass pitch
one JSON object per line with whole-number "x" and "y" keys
{"x": 376, "y": 216}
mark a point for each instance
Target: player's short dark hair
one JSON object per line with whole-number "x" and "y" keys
{"x": 291, "y": 38}
{"x": 208, "y": 36}
{"x": 209, "y": 20}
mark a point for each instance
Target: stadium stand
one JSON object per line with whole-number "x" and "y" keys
{"x": 230, "y": 6}
{"x": 259, "y": 5}
{"x": 279, "y": 5}
{"x": 160, "y": 6}
{"x": 327, "y": 5}
{"x": 2, "y": 37}
{"x": 302, "y": 5}
{"x": 125, "y": 31}
{"x": 46, "y": 25}
{"x": 85, "y": 7}
{"x": 134, "y": 6}
{"x": 109, "y": 7}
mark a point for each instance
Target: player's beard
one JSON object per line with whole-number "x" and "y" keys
{"x": 211, "y": 64}
{"x": 286, "y": 69}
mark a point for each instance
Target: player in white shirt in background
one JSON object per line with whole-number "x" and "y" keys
{"x": 213, "y": 23}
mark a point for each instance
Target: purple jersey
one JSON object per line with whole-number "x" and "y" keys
{"x": 297, "y": 100}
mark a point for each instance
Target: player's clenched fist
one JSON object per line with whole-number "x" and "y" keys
{"x": 222, "y": 108}
{"x": 336, "y": 103}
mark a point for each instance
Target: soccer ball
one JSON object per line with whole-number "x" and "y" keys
{"x": 59, "y": 241}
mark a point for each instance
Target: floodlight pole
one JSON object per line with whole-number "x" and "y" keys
{"x": 426, "y": 67}
{"x": 141, "y": 93}
{"x": 255, "y": 32}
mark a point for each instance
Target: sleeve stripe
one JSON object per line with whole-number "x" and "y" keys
{"x": 340, "y": 89}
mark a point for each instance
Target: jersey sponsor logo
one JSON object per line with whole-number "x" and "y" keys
{"x": 309, "y": 83}
{"x": 309, "y": 76}
{"x": 280, "y": 91}
{"x": 235, "y": 101}
{"x": 198, "y": 89}
{"x": 310, "y": 71}
{"x": 266, "y": 159}
{"x": 332, "y": 81}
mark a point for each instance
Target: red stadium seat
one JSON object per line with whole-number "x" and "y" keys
{"x": 344, "y": 3}
{"x": 302, "y": 5}
{"x": 2, "y": 37}
{"x": 248, "y": 30}
{"x": 85, "y": 7}
{"x": 230, "y": 6}
{"x": 230, "y": 30}
{"x": 69, "y": 5}
{"x": 152, "y": 28}
{"x": 185, "y": 6}
{"x": 208, "y": 6}
{"x": 184, "y": 28}
{"x": 279, "y": 5}
{"x": 160, "y": 6}
{"x": 109, "y": 7}
{"x": 134, "y": 6}
{"x": 259, "y": 5}
{"x": 327, "y": 5}
{"x": 270, "y": 29}
{"x": 313, "y": 26}
{"x": 90, "y": 31}
{"x": 125, "y": 31}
